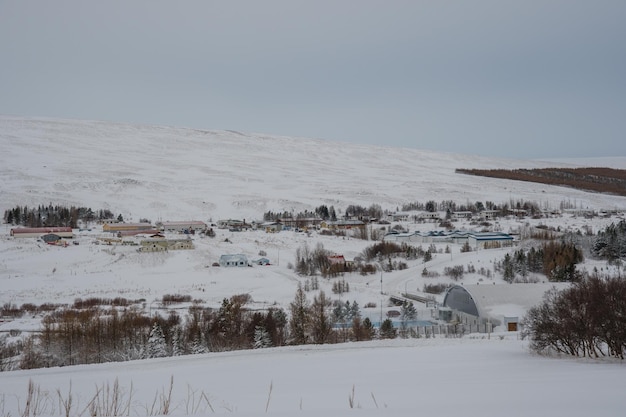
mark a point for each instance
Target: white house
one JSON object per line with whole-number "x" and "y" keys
{"x": 237, "y": 260}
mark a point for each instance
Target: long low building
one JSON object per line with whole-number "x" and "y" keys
{"x": 121, "y": 227}
{"x": 184, "y": 226}
{"x": 30, "y": 232}
{"x": 476, "y": 240}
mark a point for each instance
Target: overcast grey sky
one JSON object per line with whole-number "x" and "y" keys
{"x": 522, "y": 79}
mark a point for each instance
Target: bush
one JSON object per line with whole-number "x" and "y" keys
{"x": 175, "y": 299}
{"x": 587, "y": 319}
{"x": 435, "y": 288}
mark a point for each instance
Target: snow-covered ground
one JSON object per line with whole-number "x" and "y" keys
{"x": 440, "y": 377}
{"x": 173, "y": 174}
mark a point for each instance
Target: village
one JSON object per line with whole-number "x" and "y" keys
{"x": 467, "y": 306}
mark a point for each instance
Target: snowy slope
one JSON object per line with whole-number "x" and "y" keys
{"x": 172, "y": 174}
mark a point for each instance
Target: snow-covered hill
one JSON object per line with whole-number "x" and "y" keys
{"x": 172, "y": 173}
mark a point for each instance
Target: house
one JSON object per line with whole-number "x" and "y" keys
{"x": 234, "y": 225}
{"x": 272, "y": 227}
{"x": 488, "y": 214}
{"x": 158, "y": 243}
{"x": 30, "y": 232}
{"x": 301, "y": 222}
{"x": 482, "y": 305}
{"x": 462, "y": 215}
{"x": 343, "y": 224}
{"x": 153, "y": 245}
{"x": 262, "y": 261}
{"x": 337, "y": 259}
{"x": 235, "y": 260}
{"x": 400, "y": 216}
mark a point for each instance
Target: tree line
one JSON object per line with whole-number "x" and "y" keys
{"x": 556, "y": 260}
{"x": 110, "y": 333}
{"x": 603, "y": 180}
{"x": 53, "y": 216}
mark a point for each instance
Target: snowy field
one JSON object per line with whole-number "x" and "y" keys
{"x": 174, "y": 174}
{"x": 438, "y": 377}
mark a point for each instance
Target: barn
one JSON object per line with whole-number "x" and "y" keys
{"x": 496, "y": 304}
{"x": 30, "y": 232}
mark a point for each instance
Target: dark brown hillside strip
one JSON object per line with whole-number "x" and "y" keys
{"x": 600, "y": 180}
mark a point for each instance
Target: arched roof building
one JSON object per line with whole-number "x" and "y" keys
{"x": 495, "y": 303}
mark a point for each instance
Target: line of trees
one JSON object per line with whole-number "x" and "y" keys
{"x": 72, "y": 336}
{"x": 58, "y": 216}
{"x": 556, "y": 260}
{"x": 587, "y": 319}
{"x": 603, "y": 180}
{"x": 99, "y": 334}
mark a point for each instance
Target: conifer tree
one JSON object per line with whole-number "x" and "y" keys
{"x": 321, "y": 325}
{"x": 177, "y": 341}
{"x": 300, "y": 319}
{"x": 157, "y": 347}
{"x": 261, "y": 338}
{"x": 387, "y": 330}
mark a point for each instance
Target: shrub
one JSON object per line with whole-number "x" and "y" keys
{"x": 435, "y": 288}
{"x": 587, "y": 319}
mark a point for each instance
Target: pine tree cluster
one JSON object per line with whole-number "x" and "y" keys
{"x": 53, "y": 216}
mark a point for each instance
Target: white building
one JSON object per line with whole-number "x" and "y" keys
{"x": 234, "y": 260}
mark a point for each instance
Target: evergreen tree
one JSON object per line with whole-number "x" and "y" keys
{"x": 387, "y": 330}
{"x": 368, "y": 329}
{"x": 177, "y": 341}
{"x": 156, "y": 348}
{"x": 332, "y": 214}
{"x": 508, "y": 273}
{"x": 354, "y": 311}
{"x": 300, "y": 319}
{"x": 261, "y": 338}
{"x": 197, "y": 347}
{"x": 408, "y": 313}
{"x": 321, "y": 323}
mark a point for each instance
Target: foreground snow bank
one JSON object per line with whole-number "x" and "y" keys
{"x": 472, "y": 377}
